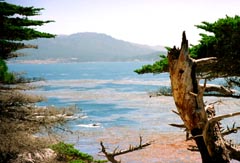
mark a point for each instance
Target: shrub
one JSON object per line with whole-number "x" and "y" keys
{"x": 67, "y": 152}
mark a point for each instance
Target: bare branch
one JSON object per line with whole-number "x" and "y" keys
{"x": 205, "y": 61}
{"x": 202, "y": 88}
{"x": 216, "y": 102}
{"x": 193, "y": 148}
{"x": 194, "y": 94}
{"x": 218, "y": 88}
{"x": 231, "y": 130}
{"x": 177, "y": 125}
{"x": 116, "y": 152}
{"x": 205, "y": 84}
{"x": 174, "y": 111}
{"x": 234, "y": 151}
{"x": 110, "y": 156}
{"x": 221, "y": 117}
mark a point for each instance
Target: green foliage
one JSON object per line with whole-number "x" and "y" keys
{"x": 3, "y": 68}
{"x": 6, "y": 47}
{"x": 15, "y": 26}
{"x": 221, "y": 42}
{"x": 168, "y": 48}
{"x": 17, "y": 112}
{"x": 205, "y": 48}
{"x": 11, "y": 9}
{"x": 157, "y": 67}
{"x": 67, "y": 152}
{"x": 5, "y": 76}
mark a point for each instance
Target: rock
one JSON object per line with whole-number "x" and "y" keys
{"x": 38, "y": 156}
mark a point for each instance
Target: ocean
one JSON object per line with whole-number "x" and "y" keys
{"x": 112, "y": 98}
{"x": 108, "y": 93}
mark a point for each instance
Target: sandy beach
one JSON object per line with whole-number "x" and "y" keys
{"x": 165, "y": 148}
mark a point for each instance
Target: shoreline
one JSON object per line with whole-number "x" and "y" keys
{"x": 166, "y": 147}
{"x": 59, "y": 60}
{"x": 121, "y": 107}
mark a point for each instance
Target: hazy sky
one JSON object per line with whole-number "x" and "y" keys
{"x": 151, "y": 22}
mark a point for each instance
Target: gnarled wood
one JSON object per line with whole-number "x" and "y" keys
{"x": 188, "y": 97}
{"x": 219, "y": 89}
{"x": 186, "y": 93}
{"x": 111, "y": 156}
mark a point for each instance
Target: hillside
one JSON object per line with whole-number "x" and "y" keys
{"x": 88, "y": 47}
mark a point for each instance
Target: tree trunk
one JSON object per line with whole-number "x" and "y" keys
{"x": 188, "y": 97}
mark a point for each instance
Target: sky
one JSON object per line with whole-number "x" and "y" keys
{"x": 149, "y": 22}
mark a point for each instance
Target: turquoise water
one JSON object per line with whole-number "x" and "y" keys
{"x": 112, "y": 98}
{"x": 108, "y": 93}
{"x": 84, "y": 70}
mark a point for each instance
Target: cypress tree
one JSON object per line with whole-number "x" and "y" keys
{"x": 20, "y": 118}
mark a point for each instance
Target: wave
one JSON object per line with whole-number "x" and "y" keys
{"x": 91, "y": 125}
{"x": 95, "y": 82}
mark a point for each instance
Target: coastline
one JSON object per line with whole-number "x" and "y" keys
{"x": 166, "y": 147}
{"x": 39, "y": 61}
{"x": 121, "y": 107}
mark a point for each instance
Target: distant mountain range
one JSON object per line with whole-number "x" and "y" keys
{"x": 87, "y": 47}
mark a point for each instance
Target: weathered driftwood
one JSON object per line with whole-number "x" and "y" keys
{"x": 220, "y": 89}
{"x": 111, "y": 155}
{"x": 231, "y": 130}
{"x": 188, "y": 97}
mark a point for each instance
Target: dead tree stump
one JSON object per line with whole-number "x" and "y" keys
{"x": 188, "y": 97}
